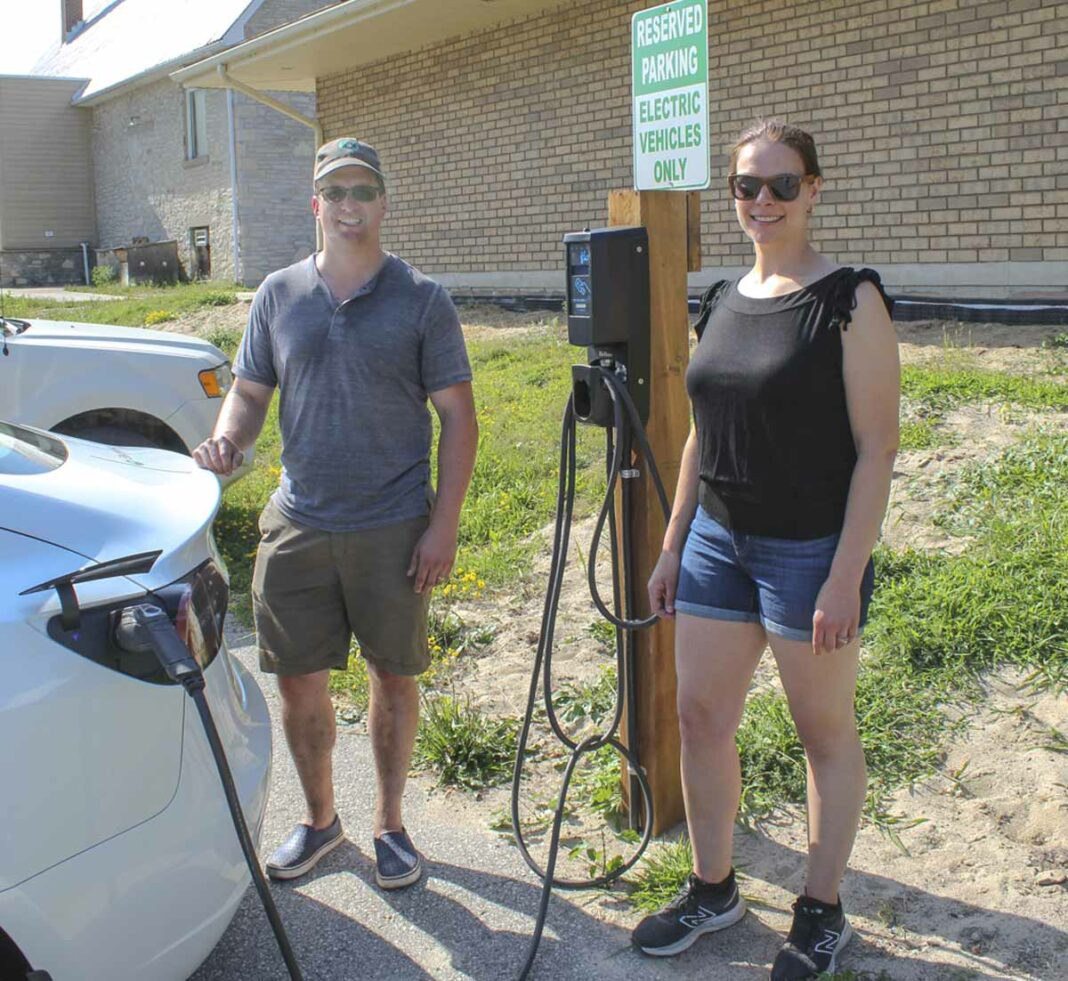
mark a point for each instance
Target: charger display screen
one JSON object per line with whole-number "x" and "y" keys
{"x": 579, "y": 293}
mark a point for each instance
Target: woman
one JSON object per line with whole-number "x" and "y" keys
{"x": 783, "y": 486}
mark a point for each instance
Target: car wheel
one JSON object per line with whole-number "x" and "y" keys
{"x": 114, "y": 436}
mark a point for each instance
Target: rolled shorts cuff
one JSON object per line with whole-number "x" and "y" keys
{"x": 270, "y": 663}
{"x": 407, "y": 669}
{"x": 791, "y": 633}
{"x": 781, "y": 630}
{"x": 716, "y": 612}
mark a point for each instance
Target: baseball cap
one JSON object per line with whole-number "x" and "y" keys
{"x": 346, "y": 152}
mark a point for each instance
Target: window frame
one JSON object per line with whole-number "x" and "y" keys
{"x": 196, "y": 124}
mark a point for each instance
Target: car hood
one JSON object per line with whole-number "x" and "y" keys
{"x": 105, "y": 502}
{"x": 111, "y": 335}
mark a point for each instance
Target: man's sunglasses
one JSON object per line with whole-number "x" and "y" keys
{"x": 746, "y": 187}
{"x": 335, "y": 194}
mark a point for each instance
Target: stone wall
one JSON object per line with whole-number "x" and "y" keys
{"x": 145, "y": 186}
{"x": 42, "y": 267}
{"x": 274, "y": 156}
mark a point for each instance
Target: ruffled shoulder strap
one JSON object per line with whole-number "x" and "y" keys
{"x": 843, "y": 294}
{"x": 708, "y": 303}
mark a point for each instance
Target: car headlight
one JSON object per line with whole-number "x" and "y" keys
{"x": 216, "y": 382}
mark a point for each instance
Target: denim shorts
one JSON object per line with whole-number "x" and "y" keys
{"x": 731, "y": 575}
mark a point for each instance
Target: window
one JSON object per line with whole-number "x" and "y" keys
{"x": 196, "y": 124}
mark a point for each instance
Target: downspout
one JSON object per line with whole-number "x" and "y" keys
{"x": 235, "y": 232}
{"x": 85, "y": 263}
{"x": 234, "y": 85}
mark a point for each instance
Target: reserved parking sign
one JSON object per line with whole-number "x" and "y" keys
{"x": 669, "y": 59}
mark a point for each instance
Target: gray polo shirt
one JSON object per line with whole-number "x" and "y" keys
{"x": 353, "y": 380}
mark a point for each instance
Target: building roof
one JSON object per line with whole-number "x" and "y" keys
{"x": 121, "y": 41}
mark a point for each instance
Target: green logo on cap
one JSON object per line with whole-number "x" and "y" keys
{"x": 348, "y": 144}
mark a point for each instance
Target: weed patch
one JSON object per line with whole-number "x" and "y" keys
{"x": 464, "y": 747}
{"x": 226, "y": 339}
{"x": 663, "y": 872}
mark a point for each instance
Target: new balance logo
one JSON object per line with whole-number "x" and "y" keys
{"x": 695, "y": 919}
{"x": 702, "y": 915}
{"x": 828, "y": 943}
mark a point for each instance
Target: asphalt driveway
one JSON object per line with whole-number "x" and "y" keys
{"x": 471, "y": 915}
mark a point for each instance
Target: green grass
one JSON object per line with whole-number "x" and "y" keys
{"x": 464, "y": 747}
{"x": 920, "y": 434}
{"x": 521, "y": 386}
{"x": 597, "y": 784}
{"x": 938, "y": 389}
{"x": 937, "y": 622}
{"x": 930, "y": 391}
{"x": 139, "y": 304}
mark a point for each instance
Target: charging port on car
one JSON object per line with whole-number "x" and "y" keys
{"x": 196, "y": 605}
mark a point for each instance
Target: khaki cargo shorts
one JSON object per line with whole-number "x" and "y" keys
{"x": 312, "y": 590}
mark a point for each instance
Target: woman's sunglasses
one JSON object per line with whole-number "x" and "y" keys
{"x": 746, "y": 187}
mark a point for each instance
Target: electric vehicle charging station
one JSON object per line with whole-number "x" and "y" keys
{"x": 608, "y": 314}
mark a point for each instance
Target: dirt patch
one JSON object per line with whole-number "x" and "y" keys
{"x": 1014, "y": 349}
{"x": 921, "y": 477}
{"x": 232, "y": 317}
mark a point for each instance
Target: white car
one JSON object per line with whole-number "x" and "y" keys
{"x": 118, "y": 856}
{"x": 120, "y": 385}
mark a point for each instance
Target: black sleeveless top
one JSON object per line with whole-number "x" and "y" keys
{"x": 776, "y": 448}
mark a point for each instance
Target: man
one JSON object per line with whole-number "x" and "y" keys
{"x": 354, "y": 539}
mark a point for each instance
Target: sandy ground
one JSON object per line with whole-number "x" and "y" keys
{"x": 978, "y": 886}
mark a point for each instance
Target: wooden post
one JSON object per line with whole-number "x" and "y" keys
{"x": 665, "y": 217}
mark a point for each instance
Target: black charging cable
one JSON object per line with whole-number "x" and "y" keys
{"x": 146, "y": 628}
{"x": 627, "y": 424}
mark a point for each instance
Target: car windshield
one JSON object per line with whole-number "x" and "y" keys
{"x": 24, "y": 451}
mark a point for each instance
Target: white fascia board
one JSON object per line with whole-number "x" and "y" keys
{"x": 205, "y": 74}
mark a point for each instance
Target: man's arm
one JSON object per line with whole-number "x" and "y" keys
{"x": 239, "y": 423}
{"x": 436, "y": 551}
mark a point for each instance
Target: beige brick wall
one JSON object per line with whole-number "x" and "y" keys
{"x": 942, "y": 126}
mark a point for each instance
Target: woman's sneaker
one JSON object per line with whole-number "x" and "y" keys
{"x": 818, "y": 933}
{"x": 701, "y": 907}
